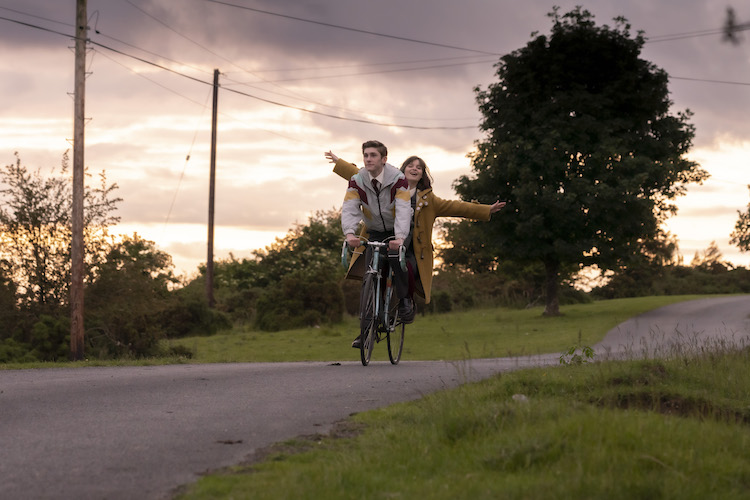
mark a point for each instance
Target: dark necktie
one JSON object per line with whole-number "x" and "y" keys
{"x": 376, "y": 185}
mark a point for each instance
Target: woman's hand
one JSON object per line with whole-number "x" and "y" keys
{"x": 497, "y": 206}
{"x": 331, "y": 157}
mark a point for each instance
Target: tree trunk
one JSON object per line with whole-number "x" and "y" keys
{"x": 552, "y": 268}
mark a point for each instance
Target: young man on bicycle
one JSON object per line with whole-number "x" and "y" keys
{"x": 378, "y": 195}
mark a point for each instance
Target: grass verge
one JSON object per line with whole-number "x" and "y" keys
{"x": 479, "y": 333}
{"x": 667, "y": 428}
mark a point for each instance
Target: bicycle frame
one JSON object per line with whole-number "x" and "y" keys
{"x": 381, "y": 314}
{"x": 374, "y": 267}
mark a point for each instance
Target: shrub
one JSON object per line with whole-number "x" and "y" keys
{"x": 300, "y": 299}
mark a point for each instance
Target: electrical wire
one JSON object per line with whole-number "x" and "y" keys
{"x": 360, "y": 65}
{"x": 294, "y": 95}
{"x": 399, "y": 70}
{"x": 695, "y": 34}
{"x": 346, "y": 28}
{"x": 184, "y": 166}
{"x": 165, "y": 68}
{"x": 276, "y": 103}
{"x": 71, "y": 25}
{"x": 137, "y": 73}
{"x": 724, "y": 82}
{"x": 341, "y": 108}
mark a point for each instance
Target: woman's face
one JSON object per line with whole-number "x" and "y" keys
{"x": 413, "y": 171}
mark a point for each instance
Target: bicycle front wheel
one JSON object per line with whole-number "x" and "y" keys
{"x": 368, "y": 321}
{"x": 396, "y": 340}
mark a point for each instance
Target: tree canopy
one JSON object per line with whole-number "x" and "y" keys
{"x": 581, "y": 142}
{"x": 35, "y": 230}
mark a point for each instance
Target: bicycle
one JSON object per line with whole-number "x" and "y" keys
{"x": 378, "y": 313}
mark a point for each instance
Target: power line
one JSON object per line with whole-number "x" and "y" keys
{"x": 184, "y": 167}
{"x": 694, "y": 34}
{"x": 340, "y": 108}
{"x": 37, "y": 17}
{"x": 276, "y": 103}
{"x": 359, "y": 65}
{"x": 29, "y": 25}
{"x": 275, "y": 83}
{"x": 200, "y": 70}
{"x": 346, "y": 28}
{"x": 399, "y": 70}
{"x": 682, "y": 36}
{"x": 198, "y": 80}
{"x": 708, "y": 81}
{"x": 293, "y": 139}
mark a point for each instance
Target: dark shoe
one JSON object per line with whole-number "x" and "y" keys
{"x": 406, "y": 311}
{"x": 357, "y": 344}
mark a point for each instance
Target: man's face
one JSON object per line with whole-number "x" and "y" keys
{"x": 374, "y": 162}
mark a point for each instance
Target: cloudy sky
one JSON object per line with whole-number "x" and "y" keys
{"x": 301, "y": 77}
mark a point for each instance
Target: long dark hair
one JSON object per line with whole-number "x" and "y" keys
{"x": 426, "y": 180}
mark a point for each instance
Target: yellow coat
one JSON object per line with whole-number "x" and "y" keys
{"x": 429, "y": 207}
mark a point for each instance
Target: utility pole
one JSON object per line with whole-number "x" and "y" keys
{"x": 76, "y": 284}
{"x": 211, "y": 191}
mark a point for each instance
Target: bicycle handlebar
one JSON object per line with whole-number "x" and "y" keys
{"x": 378, "y": 244}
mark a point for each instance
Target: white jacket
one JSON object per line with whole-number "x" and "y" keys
{"x": 390, "y": 210}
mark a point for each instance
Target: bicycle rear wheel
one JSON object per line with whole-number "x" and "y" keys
{"x": 368, "y": 322}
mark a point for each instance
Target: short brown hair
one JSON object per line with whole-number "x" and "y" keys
{"x": 377, "y": 145}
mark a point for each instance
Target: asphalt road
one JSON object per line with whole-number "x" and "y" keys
{"x": 141, "y": 432}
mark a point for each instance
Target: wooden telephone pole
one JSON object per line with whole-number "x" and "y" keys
{"x": 211, "y": 191}
{"x": 77, "y": 249}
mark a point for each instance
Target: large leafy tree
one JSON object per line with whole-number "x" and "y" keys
{"x": 580, "y": 140}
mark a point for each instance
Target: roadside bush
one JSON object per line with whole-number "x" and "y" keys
{"x": 351, "y": 290}
{"x": 50, "y": 338}
{"x": 440, "y": 302}
{"x": 237, "y": 304}
{"x": 300, "y": 299}
{"x": 13, "y": 351}
{"x": 134, "y": 337}
{"x": 190, "y": 315}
